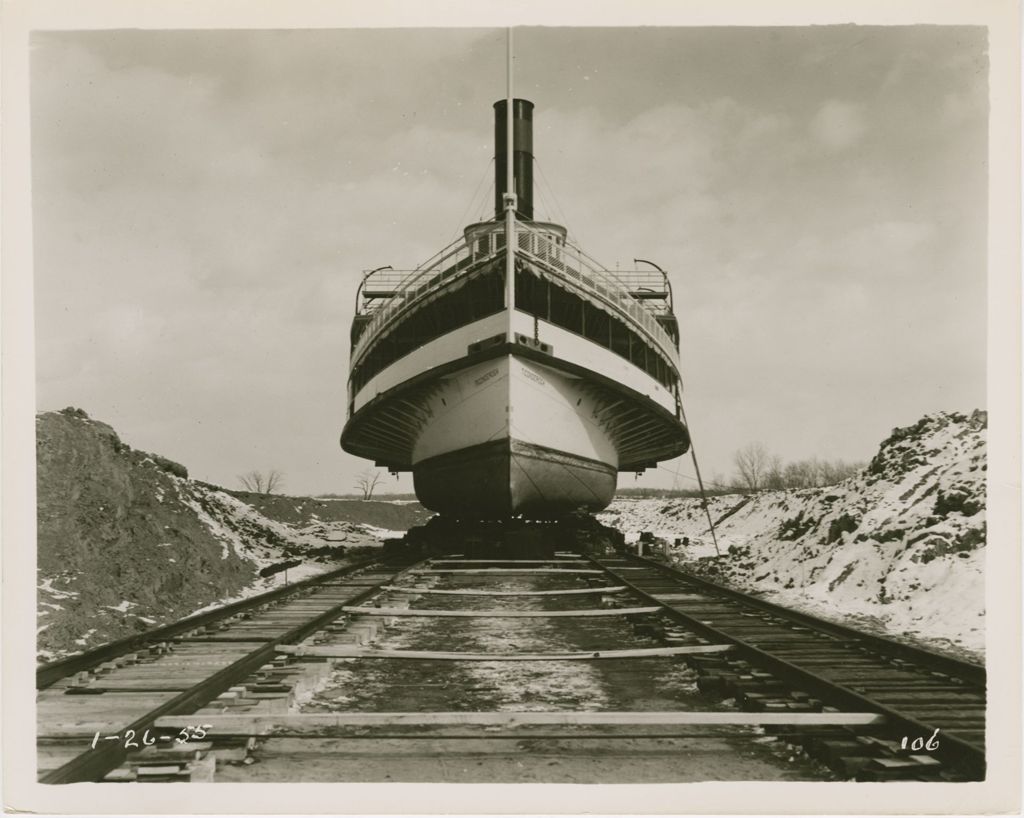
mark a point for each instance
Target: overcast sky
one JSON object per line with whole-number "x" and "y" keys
{"x": 204, "y": 204}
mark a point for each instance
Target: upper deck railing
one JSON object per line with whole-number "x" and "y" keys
{"x": 639, "y": 296}
{"x": 583, "y": 272}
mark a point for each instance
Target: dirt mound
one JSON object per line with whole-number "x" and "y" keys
{"x": 901, "y": 545}
{"x": 126, "y": 541}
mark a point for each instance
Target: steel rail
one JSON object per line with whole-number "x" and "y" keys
{"x": 48, "y": 674}
{"x": 968, "y": 671}
{"x": 95, "y": 763}
{"x": 952, "y": 749}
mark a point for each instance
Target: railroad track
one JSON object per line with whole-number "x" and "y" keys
{"x": 459, "y": 667}
{"x": 94, "y": 709}
{"x": 932, "y": 702}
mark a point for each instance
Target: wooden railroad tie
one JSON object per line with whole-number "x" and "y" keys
{"x": 494, "y": 614}
{"x": 568, "y": 571}
{"x": 512, "y": 562}
{"x": 345, "y": 652}
{"x": 243, "y": 724}
{"x": 607, "y": 589}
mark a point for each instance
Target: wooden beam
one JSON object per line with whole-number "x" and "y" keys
{"x": 648, "y": 454}
{"x": 606, "y": 589}
{"x": 377, "y": 436}
{"x": 512, "y": 561}
{"x": 415, "y": 409}
{"x": 243, "y": 724}
{"x": 396, "y": 417}
{"x": 625, "y": 420}
{"x": 384, "y": 428}
{"x": 498, "y": 614}
{"x": 566, "y": 571}
{"x": 353, "y": 652}
{"x": 638, "y": 432}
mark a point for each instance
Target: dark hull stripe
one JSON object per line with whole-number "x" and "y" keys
{"x": 504, "y": 478}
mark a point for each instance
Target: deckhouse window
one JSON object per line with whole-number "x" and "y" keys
{"x": 483, "y": 295}
{"x": 537, "y": 296}
{"x": 477, "y": 298}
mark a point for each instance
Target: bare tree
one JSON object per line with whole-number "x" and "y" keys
{"x": 801, "y": 474}
{"x": 752, "y": 465}
{"x": 262, "y": 482}
{"x": 805, "y": 474}
{"x": 837, "y": 471}
{"x": 367, "y": 482}
{"x": 773, "y": 473}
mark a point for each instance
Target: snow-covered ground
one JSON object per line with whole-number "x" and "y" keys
{"x": 900, "y": 546}
{"x": 268, "y": 542}
{"x": 263, "y": 584}
{"x": 383, "y": 533}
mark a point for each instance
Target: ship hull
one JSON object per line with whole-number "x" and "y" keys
{"x": 509, "y": 437}
{"x": 510, "y": 477}
{"x": 513, "y": 427}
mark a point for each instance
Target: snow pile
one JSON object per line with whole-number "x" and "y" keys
{"x": 900, "y": 546}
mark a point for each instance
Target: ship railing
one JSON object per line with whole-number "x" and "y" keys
{"x": 452, "y": 262}
{"x": 588, "y": 275}
{"x": 540, "y": 246}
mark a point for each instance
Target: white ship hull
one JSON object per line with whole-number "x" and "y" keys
{"x": 512, "y": 436}
{"x": 510, "y": 429}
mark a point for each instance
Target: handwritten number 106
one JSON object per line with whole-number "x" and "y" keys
{"x": 920, "y": 744}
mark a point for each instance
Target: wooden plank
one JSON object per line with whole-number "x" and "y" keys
{"x": 570, "y": 571}
{"x": 511, "y": 562}
{"x": 608, "y": 589}
{"x": 133, "y": 686}
{"x": 344, "y": 652}
{"x": 495, "y": 614}
{"x": 243, "y": 724}
{"x": 682, "y": 598}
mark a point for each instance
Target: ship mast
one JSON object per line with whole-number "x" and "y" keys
{"x": 510, "y": 199}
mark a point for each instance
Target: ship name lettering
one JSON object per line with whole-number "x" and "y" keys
{"x": 486, "y": 377}
{"x": 533, "y": 376}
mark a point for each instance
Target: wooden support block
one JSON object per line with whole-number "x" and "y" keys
{"x": 852, "y": 765}
{"x": 895, "y": 763}
{"x": 926, "y": 761}
{"x": 203, "y": 769}
{"x": 833, "y": 751}
{"x": 121, "y": 774}
{"x": 147, "y": 770}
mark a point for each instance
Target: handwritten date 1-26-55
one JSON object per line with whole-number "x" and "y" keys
{"x": 132, "y": 740}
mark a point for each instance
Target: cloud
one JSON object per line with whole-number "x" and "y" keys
{"x": 839, "y": 125}
{"x": 204, "y": 204}
{"x": 960, "y": 107}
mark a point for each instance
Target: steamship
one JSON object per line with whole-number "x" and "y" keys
{"x": 511, "y": 373}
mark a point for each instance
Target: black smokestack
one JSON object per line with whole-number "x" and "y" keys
{"x": 522, "y": 156}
